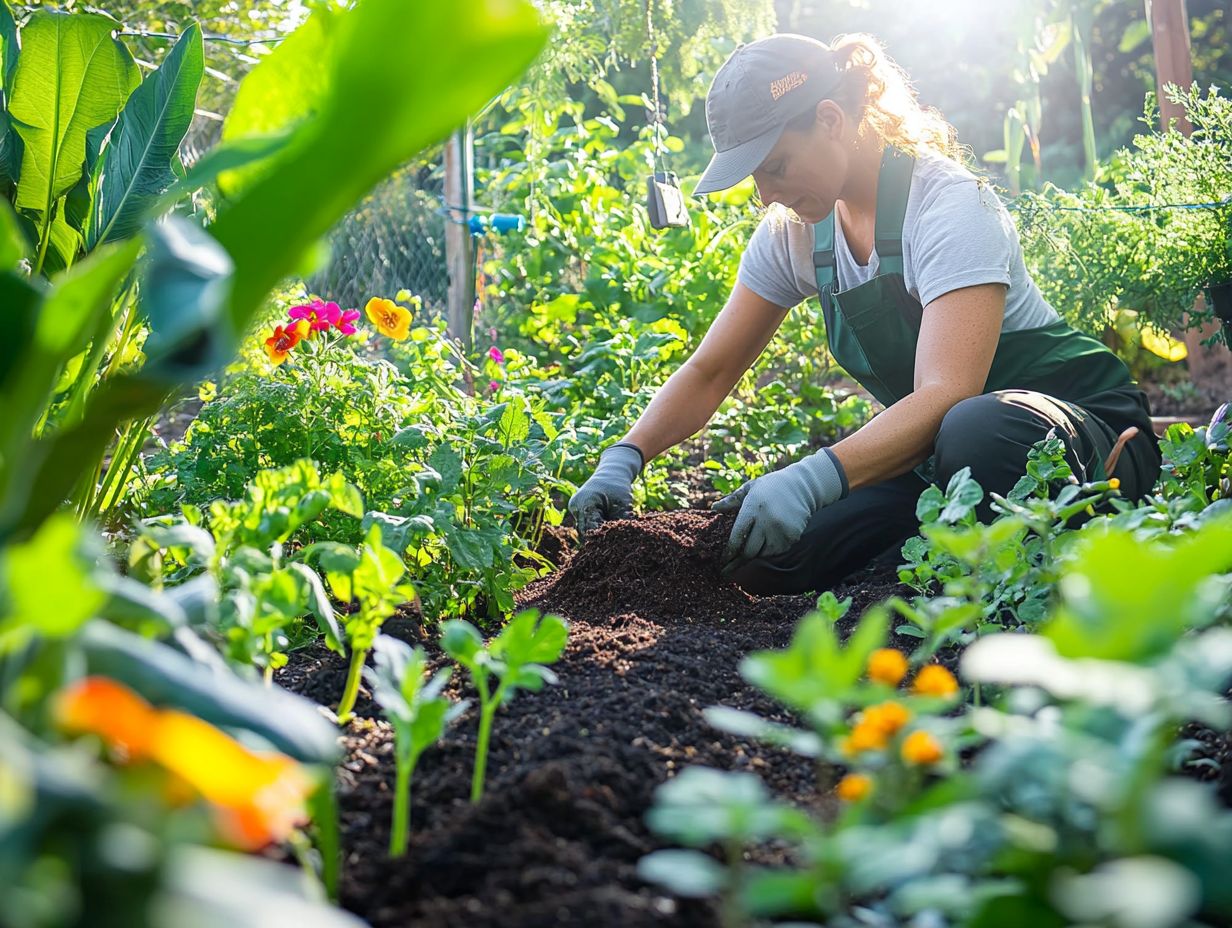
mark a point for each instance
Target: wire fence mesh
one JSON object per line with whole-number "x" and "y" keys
{"x": 394, "y": 240}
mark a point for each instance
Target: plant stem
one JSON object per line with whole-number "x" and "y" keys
{"x": 349, "y": 695}
{"x": 486, "y": 713}
{"x": 400, "y": 832}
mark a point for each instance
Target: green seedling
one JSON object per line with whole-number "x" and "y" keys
{"x": 418, "y": 713}
{"x": 516, "y": 657}
{"x": 370, "y": 578}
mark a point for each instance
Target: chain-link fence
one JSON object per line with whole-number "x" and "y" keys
{"x": 394, "y": 239}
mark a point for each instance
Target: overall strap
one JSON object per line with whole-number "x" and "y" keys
{"x": 893, "y": 187}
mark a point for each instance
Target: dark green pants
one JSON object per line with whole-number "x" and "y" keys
{"x": 991, "y": 434}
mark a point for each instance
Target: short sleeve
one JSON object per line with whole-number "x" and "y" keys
{"x": 766, "y": 265}
{"x": 964, "y": 237}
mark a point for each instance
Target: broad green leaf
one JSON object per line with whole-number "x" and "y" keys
{"x": 165, "y": 677}
{"x": 1124, "y": 599}
{"x": 399, "y": 76}
{"x": 47, "y": 585}
{"x": 322, "y": 609}
{"x": 10, "y": 141}
{"x": 184, "y": 295}
{"x": 691, "y": 874}
{"x": 72, "y": 75}
{"x": 21, "y": 300}
{"x": 461, "y": 641}
{"x": 66, "y": 320}
{"x": 135, "y": 167}
{"x": 12, "y": 242}
{"x": 224, "y": 157}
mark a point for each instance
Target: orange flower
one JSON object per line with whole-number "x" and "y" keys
{"x": 922, "y": 748}
{"x": 390, "y": 319}
{"x": 260, "y": 797}
{"x": 278, "y": 346}
{"x": 257, "y": 798}
{"x": 854, "y": 787}
{"x": 863, "y": 738}
{"x": 888, "y": 666}
{"x": 935, "y": 680}
{"x": 887, "y": 718}
{"x": 99, "y": 706}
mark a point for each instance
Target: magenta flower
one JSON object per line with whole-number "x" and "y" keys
{"x": 346, "y": 322}
{"x": 496, "y": 355}
{"x": 493, "y": 386}
{"x": 319, "y": 314}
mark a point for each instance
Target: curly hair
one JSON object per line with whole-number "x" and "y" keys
{"x": 876, "y": 91}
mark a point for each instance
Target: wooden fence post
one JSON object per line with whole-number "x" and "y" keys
{"x": 1209, "y": 368}
{"x": 459, "y": 256}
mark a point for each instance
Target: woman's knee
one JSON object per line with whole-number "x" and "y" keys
{"x": 968, "y": 430}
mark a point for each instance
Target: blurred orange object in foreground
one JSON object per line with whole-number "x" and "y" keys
{"x": 258, "y": 798}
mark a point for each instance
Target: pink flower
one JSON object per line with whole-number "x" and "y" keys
{"x": 496, "y": 355}
{"x": 493, "y": 386}
{"x": 319, "y": 314}
{"x": 346, "y": 322}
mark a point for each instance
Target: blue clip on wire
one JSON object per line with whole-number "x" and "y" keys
{"x": 496, "y": 222}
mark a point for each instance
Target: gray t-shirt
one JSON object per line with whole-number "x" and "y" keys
{"x": 956, "y": 233}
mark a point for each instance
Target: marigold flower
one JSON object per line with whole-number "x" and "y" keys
{"x": 888, "y": 666}
{"x": 346, "y": 321}
{"x": 278, "y": 346}
{"x": 854, "y": 787}
{"x": 863, "y": 738}
{"x": 935, "y": 680}
{"x": 496, "y": 355}
{"x": 100, "y": 706}
{"x": 390, "y": 319}
{"x": 921, "y": 748}
{"x": 887, "y": 718}
{"x": 319, "y": 315}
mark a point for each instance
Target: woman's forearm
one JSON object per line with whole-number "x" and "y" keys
{"x": 895, "y": 440}
{"x": 680, "y": 409}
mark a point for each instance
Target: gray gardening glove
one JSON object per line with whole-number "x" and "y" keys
{"x": 608, "y": 494}
{"x": 774, "y": 510}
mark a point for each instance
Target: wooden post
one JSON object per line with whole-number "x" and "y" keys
{"x": 1209, "y": 368}
{"x": 459, "y": 257}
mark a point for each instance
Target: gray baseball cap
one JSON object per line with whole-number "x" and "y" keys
{"x": 758, "y": 90}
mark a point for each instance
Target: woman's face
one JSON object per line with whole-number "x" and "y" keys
{"x": 806, "y": 170}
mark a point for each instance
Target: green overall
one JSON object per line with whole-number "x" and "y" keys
{"x": 873, "y": 328}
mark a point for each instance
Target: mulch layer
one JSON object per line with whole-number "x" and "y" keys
{"x": 655, "y": 637}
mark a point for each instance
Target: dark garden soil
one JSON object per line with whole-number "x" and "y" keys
{"x": 655, "y": 637}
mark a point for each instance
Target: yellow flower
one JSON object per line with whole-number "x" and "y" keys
{"x": 1114, "y": 483}
{"x": 390, "y": 319}
{"x": 854, "y": 787}
{"x": 887, "y": 718}
{"x": 888, "y": 666}
{"x": 863, "y": 738}
{"x": 935, "y": 680}
{"x": 922, "y": 748}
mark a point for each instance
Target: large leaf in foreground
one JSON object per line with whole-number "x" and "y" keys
{"x": 397, "y": 77}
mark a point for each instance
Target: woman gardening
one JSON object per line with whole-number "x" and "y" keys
{"x": 926, "y": 302}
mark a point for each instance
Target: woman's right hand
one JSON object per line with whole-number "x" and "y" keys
{"x": 608, "y": 494}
